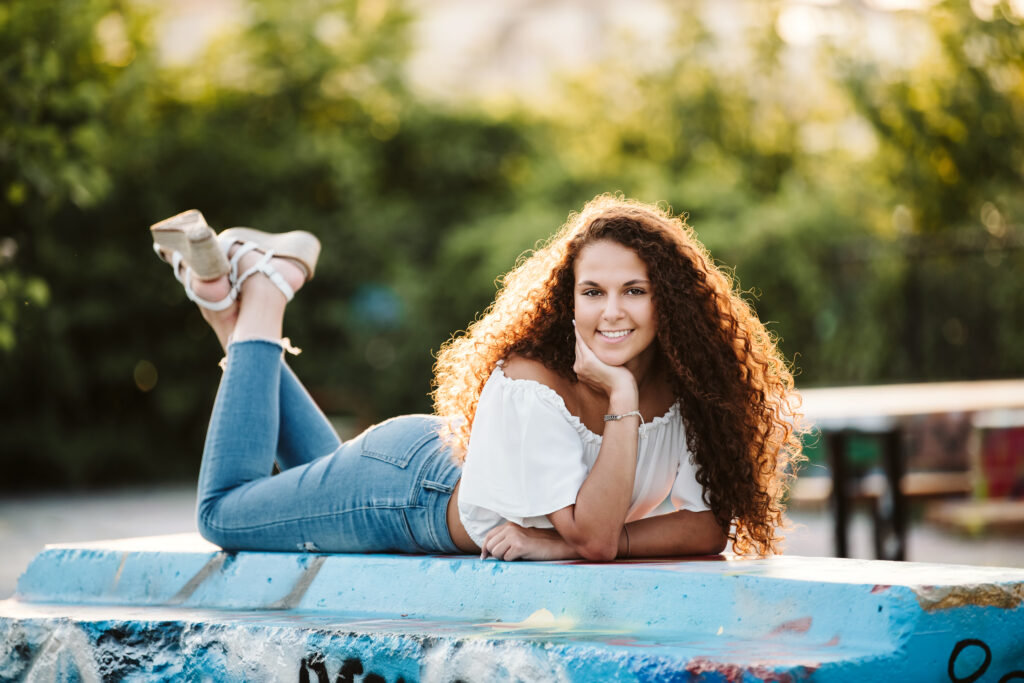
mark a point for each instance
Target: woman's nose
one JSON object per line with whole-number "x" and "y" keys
{"x": 612, "y": 308}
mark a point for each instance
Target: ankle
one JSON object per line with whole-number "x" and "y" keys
{"x": 260, "y": 317}
{"x": 262, "y": 269}
{"x": 261, "y": 287}
{"x": 282, "y": 343}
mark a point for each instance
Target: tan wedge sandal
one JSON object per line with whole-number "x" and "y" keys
{"x": 298, "y": 245}
{"x": 187, "y": 240}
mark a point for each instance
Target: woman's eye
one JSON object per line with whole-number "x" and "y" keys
{"x": 635, "y": 291}
{"x": 592, "y": 292}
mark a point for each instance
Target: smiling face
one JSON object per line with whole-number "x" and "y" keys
{"x": 614, "y": 304}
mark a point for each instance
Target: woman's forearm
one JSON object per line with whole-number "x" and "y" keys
{"x": 670, "y": 535}
{"x": 677, "y": 533}
{"x": 593, "y": 524}
{"x": 604, "y": 498}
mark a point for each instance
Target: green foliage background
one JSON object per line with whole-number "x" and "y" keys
{"x": 903, "y": 264}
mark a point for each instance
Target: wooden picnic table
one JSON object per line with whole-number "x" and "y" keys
{"x": 886, "y": 411}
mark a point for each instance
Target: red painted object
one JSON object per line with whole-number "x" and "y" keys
{"x": 1002, "y": 459}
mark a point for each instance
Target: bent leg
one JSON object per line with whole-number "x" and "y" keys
{"x": 386, "y": 490}
{"x": 305, "y": 432}
{"x": 242, "y": 438}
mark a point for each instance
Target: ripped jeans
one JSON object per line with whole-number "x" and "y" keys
{"x": 386, "y": 490}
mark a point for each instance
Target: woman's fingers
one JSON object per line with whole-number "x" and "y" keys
{"x": 505, "y": 550}
{"x": 588, "y": 366}
{"x": 496, "y": 543}
{"x": 584, "y": 356}
{"x": 499, "y": 549}
{"x": 503, "y": 542}
{"x": 595, "y": 372}
{"x": 581, "y": 346}
{"x": 512, "y": 546}
{"x": 489, "y": 540}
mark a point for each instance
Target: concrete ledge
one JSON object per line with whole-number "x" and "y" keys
{"x": 175, "y": 607}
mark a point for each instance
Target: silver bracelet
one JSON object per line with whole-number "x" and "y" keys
{"x": 613, "y": 418}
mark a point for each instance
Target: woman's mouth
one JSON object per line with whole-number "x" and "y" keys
{"x": 613, "y": 335}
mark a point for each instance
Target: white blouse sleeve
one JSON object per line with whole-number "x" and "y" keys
{"x": 687, "y": 494}
{"x": 525, "y": 458}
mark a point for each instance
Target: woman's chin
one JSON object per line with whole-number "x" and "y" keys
{"x": 623, "y": 357}
{"x": 615, "y": 360}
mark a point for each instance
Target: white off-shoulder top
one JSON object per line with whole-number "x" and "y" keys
{"x": 528, "y": 456}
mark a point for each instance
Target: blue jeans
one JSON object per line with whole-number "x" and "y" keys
{"x": 387, "y": 490}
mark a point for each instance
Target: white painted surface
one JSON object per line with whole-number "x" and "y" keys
{"x": 860, "y": 406}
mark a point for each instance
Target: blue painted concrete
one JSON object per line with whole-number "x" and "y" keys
{"x": 172, "y": 608}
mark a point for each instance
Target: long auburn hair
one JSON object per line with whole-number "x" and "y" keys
{"x": 735, "y": 390}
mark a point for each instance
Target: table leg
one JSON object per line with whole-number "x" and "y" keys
{"x": 895, "y": 545}
{"x": 836, "y": 444}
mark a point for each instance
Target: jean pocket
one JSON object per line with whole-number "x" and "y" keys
{"x": 397, "y": 440}
{"x": 438, "y": 486}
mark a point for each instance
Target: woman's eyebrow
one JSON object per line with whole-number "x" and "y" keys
{"x": 629, "y": 283}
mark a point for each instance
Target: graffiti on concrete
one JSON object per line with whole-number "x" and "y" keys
{"x": 350, "y": 668}
{"x": 94, "y": 651}
{"x": 967, "y": 648}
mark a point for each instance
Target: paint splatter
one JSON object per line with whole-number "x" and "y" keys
{"x": 802, "y": 625}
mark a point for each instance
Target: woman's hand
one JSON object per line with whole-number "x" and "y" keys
{"x": 509, "y": 541}
{"x": 615, "y": 381}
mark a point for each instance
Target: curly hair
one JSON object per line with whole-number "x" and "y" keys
{"x": 734, "y": 389}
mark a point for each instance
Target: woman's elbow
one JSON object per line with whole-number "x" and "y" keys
{"x": 598, "y": 552}
{"x": 717, "y": 544}
{"x": 714, "y": 541}
{"x": 597, "y": 548}
{"x": 702, "y": 532}
{"x": 592, "y": 547}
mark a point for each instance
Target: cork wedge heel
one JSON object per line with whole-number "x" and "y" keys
{"x": 191, "y": 247}
{"x": 188, "y": 234}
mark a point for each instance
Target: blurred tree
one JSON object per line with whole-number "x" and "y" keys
{"x": 952, "y": 123}
{"x": 299, "y": 118}
{"x": 817, "y": 201}
{"x": 951, "y": 126}
{"x": 897, "y": 257}
{"x": 69, "y": 71}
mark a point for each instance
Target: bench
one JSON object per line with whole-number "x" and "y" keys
{"x": 175, "y": 607}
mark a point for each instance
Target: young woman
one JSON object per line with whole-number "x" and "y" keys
{"x": 616, "y": 370}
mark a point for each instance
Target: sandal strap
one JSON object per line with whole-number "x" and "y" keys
{"x": 185, "y": 278}
{"x": 206, "y": 303}
{"x": 263, "y": 266}
{"x": 175, "y": 261}
{"x": 236, "y": 258}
